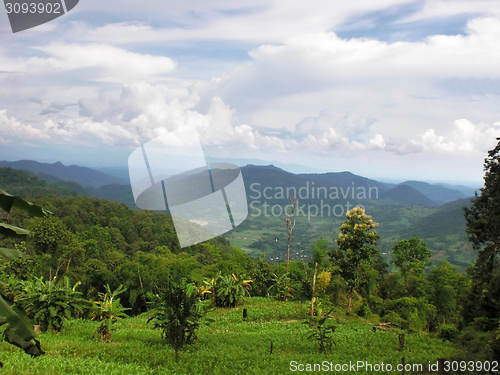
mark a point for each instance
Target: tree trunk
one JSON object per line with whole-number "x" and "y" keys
{"x": 349, "y": 304}
{"x": 314, "y": 288}
{"x": 176, "y": 356}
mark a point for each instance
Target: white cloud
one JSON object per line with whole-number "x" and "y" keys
{"x": 11, "y": 128}
{"x": 226, "y": 20}
{"x": 465, "y": 138}
{"x": 110, "y": 63}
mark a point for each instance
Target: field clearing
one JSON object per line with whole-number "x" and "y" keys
{"x": 227, "y": 345}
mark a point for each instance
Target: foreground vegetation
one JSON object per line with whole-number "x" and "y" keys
{"x": 226, "y": 345}
{"x": 91, "y": 274}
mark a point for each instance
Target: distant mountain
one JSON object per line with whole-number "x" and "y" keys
{"x": 404, "y": 194}
{"x": 82, "y": 175}
{"x": 447, "y": 220}
{"x": 345, "y": 179}
{"x": 467, "y": 190}
{"x": 20, "y": 183}
{"x": 436, "y": 193}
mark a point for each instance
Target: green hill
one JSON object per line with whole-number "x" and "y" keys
{"x": 404, "y": 194}
{"x": 436, "y": 193}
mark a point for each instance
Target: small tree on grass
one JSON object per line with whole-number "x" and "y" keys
{"x": 177, "y": 312}
{"x": 230, "y": 290}
{"x": 282, "y": 287}
{"x": 321, "y": 330}
{"x": 108, "y": 311}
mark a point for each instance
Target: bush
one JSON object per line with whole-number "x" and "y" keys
{"x": 177, "y": 312}
{"x": 108, "y": 311}
{"x": 49, "y": 303}
{"x": 230, "y": 290}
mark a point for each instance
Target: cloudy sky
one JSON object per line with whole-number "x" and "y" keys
{"x": 388, "y": 89}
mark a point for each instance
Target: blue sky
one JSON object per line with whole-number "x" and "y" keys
{"x": 383, "y": 88}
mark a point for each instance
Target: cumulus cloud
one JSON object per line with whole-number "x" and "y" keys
{"x": 315, "y": 62}
{"x": 11, "y": 128}
{"x": 465, "y": 137}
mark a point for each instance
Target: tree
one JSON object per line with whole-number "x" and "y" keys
{"x": 230, "y": 290}
{"x": 355, "y": 257}
{"x": 282, "y": 287}
{"x": 411, "y": 256}
{"x": 320, "y": 249}
{"x": 289, "y": 225}
{"x": 108, "y": 310}
{"x": 483, "y": 217}
{"x": 177, "y": 312}
{"x": 18, "y": 332}
{"x": 483, "y": 230}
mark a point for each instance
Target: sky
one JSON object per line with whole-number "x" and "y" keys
{"x": 387, "y": 89}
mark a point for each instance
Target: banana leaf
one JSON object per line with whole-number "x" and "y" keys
{"x": 12, "y": 231}
{"x": 9, "y": 201}
{"x": 18, "y": 332}
{"x": 10, "y": 254}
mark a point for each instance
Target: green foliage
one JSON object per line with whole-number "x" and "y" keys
{"x": 321, "y": 330}
{"x": 262, "y": 277}
{"x": 483, "y": 226}
{"x": 320, "y": 249}
{"x": 177, "y": 314}
{"x": 356, "y": 256}
{"x": 448, "y": 332}
{"x": 411, "y": 256}
{"x": 50, "y": 303}
{"x": 17, "y": 331}
{"x": 231, "y": 290}
{"x": 281, "y": 289}
{"x": 108, "y": 310}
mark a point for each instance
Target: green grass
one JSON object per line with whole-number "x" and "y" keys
{"x": 227, "y": 345}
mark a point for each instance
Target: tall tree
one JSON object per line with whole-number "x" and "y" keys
{"x": 411, "y": 256}
{"x": 483, "y": 229}
{"x": 289, "y": 225}
{"x": 356, "y": 256}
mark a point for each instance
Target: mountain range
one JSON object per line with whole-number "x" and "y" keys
{"x": 412, "y": 208}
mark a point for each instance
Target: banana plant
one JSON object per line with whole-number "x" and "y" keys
{"x": 108, "y": 311}
{"x": 18, "y": 331}
{"x": 50, "y": 303}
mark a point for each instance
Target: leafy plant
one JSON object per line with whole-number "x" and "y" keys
{"x": 50, "y": 303}
{"x": 321, "y": 329}
{"x": 281, "y": 288}
{"x": 230, "y": 290}
{"x": 18, "y": 332}
{"x": 177, "y": 314}
{"x": 108, "y": 311}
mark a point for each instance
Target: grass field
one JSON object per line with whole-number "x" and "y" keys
{"x": 226, "y": 345}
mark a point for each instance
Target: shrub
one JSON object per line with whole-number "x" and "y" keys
{"x": 49, "y": 303}
{"x": 108, "y": 311}
{"x": 321, "y": 330}
{"x": 230, "y": 290}
{"x": 177, "y": 312}
{"x": 282, "y": 287}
